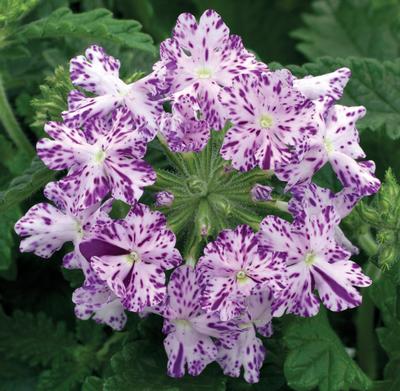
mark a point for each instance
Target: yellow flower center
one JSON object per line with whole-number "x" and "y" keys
{"x": 310, "y": 258}
{"x": 241, "y": 277}
{"x": 182, "y": 323}
{"x": 328, "y": 145}
{"x": 204, "y": 73}
{"x": 133, "y": 257}
{"x": 99, "y": 156}
{"x": 266, "y": 121}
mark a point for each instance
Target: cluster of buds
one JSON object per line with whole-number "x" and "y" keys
{"x": 218, "y": 296}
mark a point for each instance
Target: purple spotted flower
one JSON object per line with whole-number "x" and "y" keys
{"x": 336, "y": 142}
{"x": 164, "y": 198}
{"x": 45, "y": 227}
{"x": 190, "y": 331}
{"x": 314, "y": 262}
{"x": 201, "y": 58}
{"x": 95, "y": 299}
{"x": 99, "y": 162}
{"x": 182, "y": 130}
{"x": 98, "y": 73}
{"x": 311, "y": 200}
{"x": 261, "y": 192}
{"x": 232, "y": 267}
{"x": 131, "y": 255}
{"x": 327, "y": 85}
{"x": 269, "y": 118}
{"x": 249, "y": 352}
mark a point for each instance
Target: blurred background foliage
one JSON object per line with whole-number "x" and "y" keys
{"x": 42, "y": 345}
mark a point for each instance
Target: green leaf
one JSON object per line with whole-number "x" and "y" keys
{"x": 343, "y": 28}
{"x": 8, "y": 220}
{"x": 97, "y": 25}
{"x": 25, "y": 185}
{"x": 92, "y": 383}
{"x": 16, "y": 376}
{"x": 385, "y": 294}
{"x": 13, "y": 10}
{"x": 141, "y": 366}
{"x": 34, "y": 339}
{"x": 317, "y": 358}
{"x": 373, "y": 84}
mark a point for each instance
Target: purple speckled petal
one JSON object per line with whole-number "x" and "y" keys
{"x": 248, "y": 352}
{"x": 330, "y": 84}
{"x": 96, "y": 300}
{"x": 261, "y": 192}
{"x": 45, "y": 229}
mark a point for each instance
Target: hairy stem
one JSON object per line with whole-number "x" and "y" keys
{"x": 11, "y": 125}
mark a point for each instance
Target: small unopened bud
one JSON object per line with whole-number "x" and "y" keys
{"x": 261, "y": 193}
{"x": 164, "y": 198}
{"x": 368, "y": 213}
{"x": 388, "y": 255}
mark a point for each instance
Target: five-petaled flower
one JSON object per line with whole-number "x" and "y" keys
{"x": 131, "y": 256}
{"x": 232, "y": 267}
{"x": 106, "y": 159}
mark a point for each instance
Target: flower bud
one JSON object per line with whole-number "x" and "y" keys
{"x": 261, "y": 193}
{"x": 164, "y": 198}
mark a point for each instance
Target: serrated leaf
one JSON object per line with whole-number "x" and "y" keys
{"x": 141, "y": 366}
{"x": 16, "y": 376}
{"x": 343, "y": 28}
{"x": 65, "y": 375}
{"x": 373, "y": 84}
{"x": 20, "y": 188}
{"x": 317, "y": 358}
{"x": 13, "y": 10}
{"x": 97, "y": 25}
{"x": 34, "y": 339}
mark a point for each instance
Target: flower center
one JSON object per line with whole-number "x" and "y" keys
{"x": 79, "y": 229}
{"x": 310, "y": 258}
{"x": 133, "y": 257}
{"x": 99, "y": 156}
{"x": 204, "y": 73}
{"x": 241, "y": 277}
{"x": 328, "y": 145}
{"x": 182, "y": 323}
{"x": 266, "y": 121}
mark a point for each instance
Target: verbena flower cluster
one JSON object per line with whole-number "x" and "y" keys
{"x": 212, "y": 311}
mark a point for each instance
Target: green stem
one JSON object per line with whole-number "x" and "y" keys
{"x": 365, "y": 327}
{"x": 116, "y": 337}
{"x": 11, "y": 124}
{"x": 367, "y": 243}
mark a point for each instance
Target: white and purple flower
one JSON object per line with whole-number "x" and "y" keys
{"x": 45, "y": 227}
{"x": 99, "y": 162}
{"x": 190, "y": 330}
{"x": 249, "y": 352}
{"x": 131, "y": 256}
{"x": 232, "y": 267}
{"x": 269, "y": 116}
{"x": 336, "y": 142}
{"x": 98, "y": 73}
{"x": 314, "y": 261}
{"x": 202, "y": 58}
{"x": 95, "y": 299}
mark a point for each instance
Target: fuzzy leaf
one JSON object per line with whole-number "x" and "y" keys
{"x": 34, "y": 339}
{"x": 92, "y": 383}
{"x": 373, "y": 84}
{"x": 343, "y": 28}
{"x": 97, "y": 25}
{"x": 141, "y": 366}
{"x": 317, "y": 358}
{"x": 23, "y": 186}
